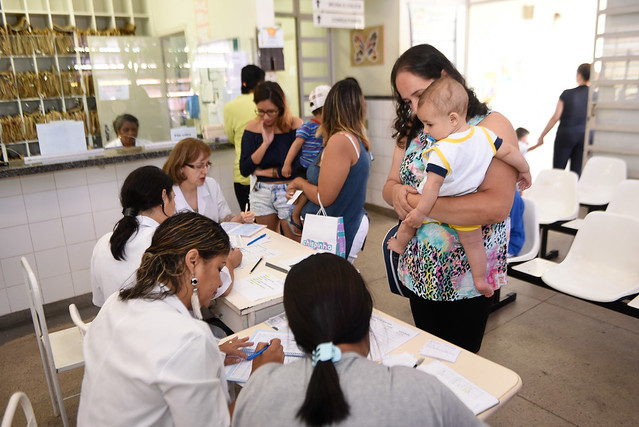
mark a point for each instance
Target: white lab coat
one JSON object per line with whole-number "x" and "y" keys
{"x": 116, "y": 143}
{"x": 109, "y": 275}
{"x": 149, "y": 362}
{"x": 210, "y": 200}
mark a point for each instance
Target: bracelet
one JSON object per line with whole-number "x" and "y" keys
{"x": 275, "y": 174}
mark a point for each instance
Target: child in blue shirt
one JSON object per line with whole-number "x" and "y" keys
{"x": 305, "y": 137}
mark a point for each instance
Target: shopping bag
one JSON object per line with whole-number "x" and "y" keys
{"x": 324, "y": 233}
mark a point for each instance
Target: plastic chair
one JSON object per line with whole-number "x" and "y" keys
{"x": 19, "y": 399}
{"x": 599, "y": 180}
{"x": 601, "y": 264}
{"x": 60, "y": 351}
{"x": 625, "y": 199}
{"x": 77, "y": 319}
{"x": 555, "y": 195}
{"x": 530, "y": 249}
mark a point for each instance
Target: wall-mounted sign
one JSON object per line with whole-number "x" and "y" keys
{"x": 178, "y": 134}
{"x": 338, "y": 13}
{"x": 339, "y": 6}
{"x": 335, "y": 20}
{"x": 367, "y": 46}
{"x": 270, "y": 37}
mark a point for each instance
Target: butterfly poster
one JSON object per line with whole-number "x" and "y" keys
{"x": 367, "y": 46}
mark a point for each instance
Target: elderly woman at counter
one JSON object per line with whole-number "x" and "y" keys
{"x": 126, "y": 129}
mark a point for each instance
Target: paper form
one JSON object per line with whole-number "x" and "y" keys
{"x": 240, "y": 372}
{"x": 292, "y": 261}
{"x": 260, "y": 286}
{"x": 440, "y": 350}
{"x": 473, "y": 396}
{"x": 386, "y": 335}
{"x": 250, "y": 254}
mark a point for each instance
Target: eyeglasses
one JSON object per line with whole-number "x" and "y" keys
{"x": 199, "y": 167}
{"x": 267, "y": 112}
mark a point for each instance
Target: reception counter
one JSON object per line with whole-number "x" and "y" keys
{"x": 54, "y": 213}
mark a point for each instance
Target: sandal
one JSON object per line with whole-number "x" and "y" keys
{"x": 292, "y": 224}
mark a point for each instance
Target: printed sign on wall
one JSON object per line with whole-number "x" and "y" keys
{"x": 367, "y": 46}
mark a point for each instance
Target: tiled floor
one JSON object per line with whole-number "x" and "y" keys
{"x": 578, "y": 361}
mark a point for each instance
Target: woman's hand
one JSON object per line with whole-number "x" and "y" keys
{"x": 400, "y": 199}
{"x": 247, "y": 217}
{"x": 233, "y": 350}
{"x": 275, "y": 353}
{"x": 234, "y": 258}
{"x": 268, "y": 133}
{"x": 293, "y": 186}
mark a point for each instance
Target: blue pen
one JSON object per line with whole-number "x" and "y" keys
{"x": 256, "y": 239}
{"x": 254, "y": 355}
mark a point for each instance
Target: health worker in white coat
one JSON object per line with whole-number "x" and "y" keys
{"x": 126, "y": 129}
{"x": 188, "y": 166}
{"x": 148, "y": 361}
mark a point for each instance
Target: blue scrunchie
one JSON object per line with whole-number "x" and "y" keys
{"x": 326, "y": 351}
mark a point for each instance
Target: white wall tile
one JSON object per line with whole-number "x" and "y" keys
{"x": 70, "y": 178}
{"x": 104, "y": 221}
{"x": 37, "y": 183}
{"x": 12, "y": 269}
{"x": 2, "y": 283}
{"x": 42, "y": 206}
{"x": 98, "y": 174}
{"x": 57, "y": 288}
{"x": 5, "y": 308}
{"x": 122, "y": 170}
{"x": 104, "y": 196}
{"x": 18, "y": 299}
{"x": 13, "y": 211}
{"x": 10, "y": 187}
{"x": 46, "y": 234}
{"x": 82, "y": 282}
{"x": 80, "y": 255}
{"x": 74, "y": 200}
{"x": 78, "y": 228}
{"x": 15, "y": 241}
{"x": 52, "y": 262}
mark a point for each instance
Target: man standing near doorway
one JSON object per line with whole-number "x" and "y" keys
{"x": 237, "y": 113}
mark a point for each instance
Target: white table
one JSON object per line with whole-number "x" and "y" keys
{"x": 239, "y": 312}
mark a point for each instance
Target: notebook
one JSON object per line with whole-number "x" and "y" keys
{"x": 244, "y": 230}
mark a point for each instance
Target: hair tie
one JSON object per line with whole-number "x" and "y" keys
{"x": 326, "y": 351}
{"x": 130, "y": 212}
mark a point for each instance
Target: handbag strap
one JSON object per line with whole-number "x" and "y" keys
{"x": 321, "y": 210}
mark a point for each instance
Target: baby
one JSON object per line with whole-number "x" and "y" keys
{"x": 456, "y": 165}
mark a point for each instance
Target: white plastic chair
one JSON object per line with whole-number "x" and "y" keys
{"x": 530, "y": 249}
{"x": 599, "y": 180}
{"x": 601, "y": 264}
{"x": 19, "y": 399}
{"x": 625, "y": 199}
{"x": 60, "y": 351}
{"x": 77, "y": 319}
{"x": 555, "y": 195}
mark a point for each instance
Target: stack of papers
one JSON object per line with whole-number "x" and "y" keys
{"x": 258, "y": 286}
{"x": 244, "y": 230}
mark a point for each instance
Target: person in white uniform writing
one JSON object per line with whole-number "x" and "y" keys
{"x": 188, "y": 166}
{"x": 148, "y": 361}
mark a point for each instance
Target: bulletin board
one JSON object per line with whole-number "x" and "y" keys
{"x": 367, "y": 47}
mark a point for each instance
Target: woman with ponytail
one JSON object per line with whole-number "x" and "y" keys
{"x": 147, "y": 199}
{"x": 148, "y": 359}
{"x": 329, "y": 310}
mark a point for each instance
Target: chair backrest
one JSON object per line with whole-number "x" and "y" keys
{"x": 625, "y": 199}
{"x": 555, "y": 195}
{"x": 77, "y": 319}
{"x": 19, "y": 399}
{"x": 607, "y": 241}
{"x": 530, "y": 249}
{"x": 599, "y": 179}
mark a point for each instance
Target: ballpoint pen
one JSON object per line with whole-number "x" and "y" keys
{"x": 254, "y": 355}
{"x": 256, "y": 239}
{"x": 256, "y": 264}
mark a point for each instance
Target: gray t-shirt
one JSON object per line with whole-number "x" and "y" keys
{"x": 377, "y": 395}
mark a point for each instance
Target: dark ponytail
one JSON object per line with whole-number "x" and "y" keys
{"x": 142, "y": 190}
{"x": 326, "y": 300}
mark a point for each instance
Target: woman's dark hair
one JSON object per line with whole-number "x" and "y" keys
{"x": 271, "y": 91}
{"x": 344, "y": 111}
{"x": 119, "y": 121}
{"x": 251, "y": 76}
{"x": 142, "y": 190}
{"x": 428, "y": 63}
{"x": 584, "y": 71}
{"x": 326, "y": 300}
{"x": 163, "y": 261}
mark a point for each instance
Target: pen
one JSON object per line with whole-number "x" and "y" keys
{"x": 254, "y": 355}
{"x": 246, "y": 208}
{"x": 256, "y": 264}
{"x": 256, "y": 239}
{"x": 419, "y": 362}
{"x": 276, "y": 267}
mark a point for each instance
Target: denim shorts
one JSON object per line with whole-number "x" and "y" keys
{"x": 267, "y": 199}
